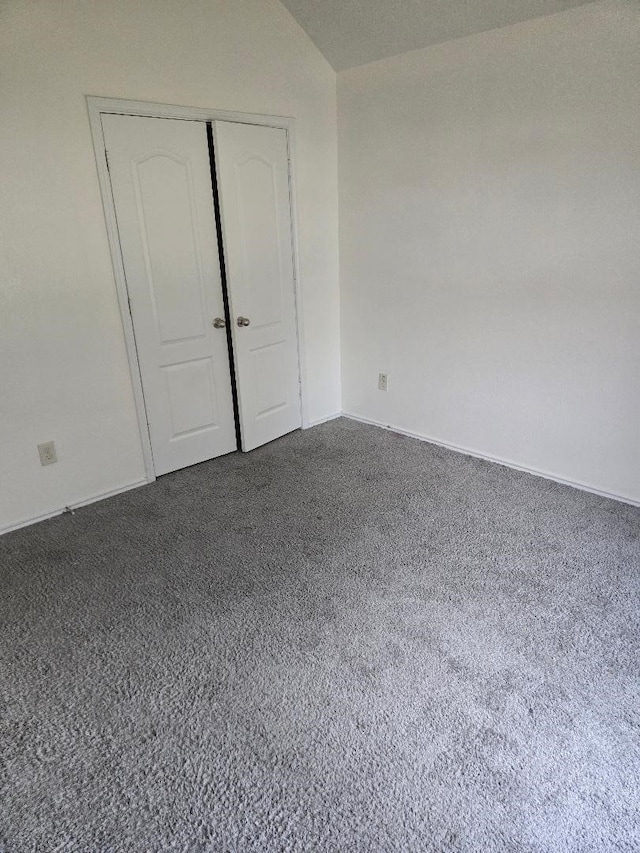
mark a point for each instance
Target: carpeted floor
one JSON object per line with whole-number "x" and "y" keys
{"x": 344, "y": 641}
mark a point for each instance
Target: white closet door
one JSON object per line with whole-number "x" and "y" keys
{"x": 161, "y": 181}
{"x": 253, "y": 180}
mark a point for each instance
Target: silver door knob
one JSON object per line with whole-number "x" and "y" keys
{"x": 219, "y": 323}
{"x": 243, "y": 321}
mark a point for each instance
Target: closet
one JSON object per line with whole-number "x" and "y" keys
{"x": 204, "y": 227}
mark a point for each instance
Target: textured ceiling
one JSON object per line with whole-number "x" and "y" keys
{"x": 352, "y": 32}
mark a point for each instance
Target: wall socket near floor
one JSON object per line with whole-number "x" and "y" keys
{"x": 383, "y": 382}
{"x": 47, "y": 452}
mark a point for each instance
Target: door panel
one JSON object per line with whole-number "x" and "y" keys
{"x": 253, "y": 178}
{"x": 268, "y": 363}
{"x": 161, "y": 182}
{"x": 191, "y": 394}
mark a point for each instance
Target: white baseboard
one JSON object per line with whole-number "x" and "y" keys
{"x": 323, "y": 420}
{"x": 584, "y": 487}
{"x": 25, "y": 522}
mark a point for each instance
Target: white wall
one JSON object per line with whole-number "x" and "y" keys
{"x": 63, "y": 367}
{"x": 490, "y": 243}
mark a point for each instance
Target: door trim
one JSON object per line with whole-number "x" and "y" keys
{"x": 96, "y": 107}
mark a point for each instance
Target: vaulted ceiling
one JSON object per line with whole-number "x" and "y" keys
{"x": 352, "y": 32}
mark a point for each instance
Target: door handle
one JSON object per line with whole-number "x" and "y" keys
{"x": 243, "y": 321}
{"x": 219, "y": 323}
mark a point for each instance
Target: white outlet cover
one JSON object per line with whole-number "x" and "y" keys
{"x": 47, "y": 452}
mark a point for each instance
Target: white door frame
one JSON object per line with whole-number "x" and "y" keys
{"x": 96, "y": 107}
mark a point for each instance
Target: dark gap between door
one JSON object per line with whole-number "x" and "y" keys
{"x": 223, "y": 274}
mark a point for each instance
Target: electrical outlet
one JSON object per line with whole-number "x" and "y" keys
{"x": 47, "y": 453}
{"x": 382, "y": 382}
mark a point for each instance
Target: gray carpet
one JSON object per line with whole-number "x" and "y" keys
{"x": 345, "y": 641}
